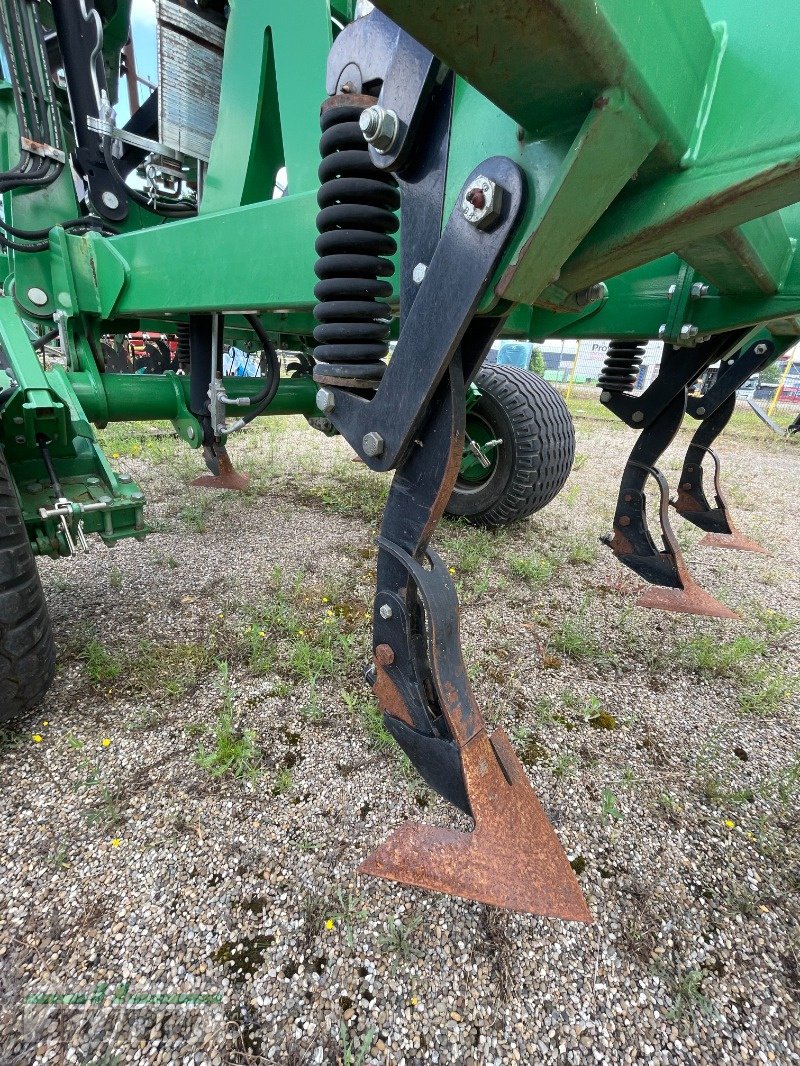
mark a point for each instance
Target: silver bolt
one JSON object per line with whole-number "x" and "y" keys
{"x": 37, "y": 296}
{"x": 372, "y": 445}
{"x": 760, "y": 349}
{"x": 124, "y": 479}
{"x": 93, "y": 481}
{"x": 137, "y": 495}
{"x": 671, "y": 291}
{"x": 638, "y": 416}
{"x": 326, "y": 401}
{"x": 481, "y": 203}
{"x": 699, "y": 289}
{"x": 605, "y": 397}
{"x": 385, "y": 612}
{"x": 19, "y": 420}
{"x": 419, "y": 272}
{"x": 19, "y": 440}
{"x": 662, "y": 331}
{"x": 591, "y": 295}
{"x": 701, "y": 410}
{"x": 110, "y": 200}
{"x": 688, "y": 332}
{"x": 190, "y": 432}
{"x": 379, "y": 127}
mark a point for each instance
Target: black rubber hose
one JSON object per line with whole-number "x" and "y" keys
{"x": 160, "y": 207}
{"x": 37, "y": 345}
{"x": 6, "y": 395}
{"x": 42, "y": 441}
{"x": 260, "y": 402}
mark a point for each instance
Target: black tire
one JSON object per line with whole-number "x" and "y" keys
{"x": 27, "y": 651}
{"x": 534, "y": 460}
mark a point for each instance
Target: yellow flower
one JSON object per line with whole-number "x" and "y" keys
{"x": 37, "y": 739}
{"x": 451, "y": 569}
{"x": 115, "y": 843}
{"x": 324, "y": 599}
{"x": 413, "y": 1001}
{"x": 115, "y": 455}
{"x": 45, "y": 723}
{"x": 301, "y": 632}
{"x": 729, "y": 823}
{"x": 329, "y": 612}
{"x": 329, "y": 924}
{"x": 106, "y": 742}
{"x": 261, "y": 633}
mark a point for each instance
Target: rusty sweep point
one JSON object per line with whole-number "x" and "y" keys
{"x": 227, "y": 478}
{"x": 691, "y": 599}
{"x": 512, "y": 858}
{"x": 736, "y": 540}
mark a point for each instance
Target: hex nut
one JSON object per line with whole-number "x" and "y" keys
{"x": 419, "y": 272}
{"x": 761, "y": 349}
{"x": 380, "y": 127}
{"x": 385, "y": 612}
{"x": 372, "y": 444}
{"x": 482, "y": 202}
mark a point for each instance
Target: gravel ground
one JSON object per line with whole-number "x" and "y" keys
{"x": 152, "y": 912}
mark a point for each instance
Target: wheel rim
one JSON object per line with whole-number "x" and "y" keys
{"x": 472, "y": 472}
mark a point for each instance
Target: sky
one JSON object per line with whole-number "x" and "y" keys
{"x": 143, "y": 24}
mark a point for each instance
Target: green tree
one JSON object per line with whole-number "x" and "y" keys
{"x": 772, "y": 375}
{"x": 537, "y": 362}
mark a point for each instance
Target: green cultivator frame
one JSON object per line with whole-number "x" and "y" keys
{"x": 579, "y": 168}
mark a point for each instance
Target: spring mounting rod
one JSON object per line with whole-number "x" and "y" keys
{"x": 621, "y": 367}
{"x": 358, "y": 215}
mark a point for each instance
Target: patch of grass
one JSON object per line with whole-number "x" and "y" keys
{"x": 574, "y": 638}
{"x": 579, "y": 461}
{"x": 609, "y": 808}
{"x": 284, "y": 779}
{"x": 534, "y": 570}
{"x": 101, "y": 664}
{"x": 108, "y": 810}
{"x": 564, "y": 764}
{"x": 366, "y": 710}
{"x": 469, "y": 548}
{"x": 233, "y": 750}
{"x": 687, "y": 995}
{"x": 194, "y": 516}
{"x": 708, "y": 655}
{"x": 115, "y": 578}
{"x": 397, "y": 938}
{"x": 764, "y": 692}
{"x": 355, "y": 1054}
{"x": 582, "y": 550}
{"x": 775, "y": 623}
{"x": 170, "y": 669}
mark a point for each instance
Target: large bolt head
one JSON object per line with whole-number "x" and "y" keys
{"x": 482, "y": 202}
{"x": 373, "y": 445}
{"x": 761, "y": 349}
{"x": 380, "y": 127}
{"x": 326, "y": 401}
{"x": 385, "y": 612}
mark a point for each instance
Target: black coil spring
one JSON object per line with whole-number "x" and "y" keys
{"x": 358, "y": 205}
{"x": 183, "y": 352}
{"x": 621, "y": 368}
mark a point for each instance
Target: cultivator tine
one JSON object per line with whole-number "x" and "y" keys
{"x": 692, "y": 503}
{"x": 227, "y": 477}
{"x": 512, "y": 858}
{"x": 672, "y": 587}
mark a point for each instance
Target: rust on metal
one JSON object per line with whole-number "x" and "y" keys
{"x": 690, "y": 599}
{"x": 736, "y": 540}
{"x": 512, "y": 858}
{"x": 227, "y": 478}
{"x": 386, "y": 692}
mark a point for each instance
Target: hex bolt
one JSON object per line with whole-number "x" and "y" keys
{"x": 760, "y": 349}
{"x": 19, "y": 440}
{"x": 701, "y": 410}
{"x": 190, "y": 432}
{"x": 373, "y": 445}
{"x": 19, "y": 420}
{"x": 605, "y": 397}
{"x": 637, "y": 416}
{"x": 689, "y": 332}
{"x": 379, "y": 126}
{"x": 686, "y": 486}
{"x": 326, "y": 401}
{"x": 124, "y": 479}
{"x": 482, "y": 201}
{"x": 419, "y": 272}
{"x": 699, "y": 289}
{"x": 671, "y": 291}
{"x": 662, "y": 331}
{"x": 110, "y": 200}
{"x": 624, "y": 521}
{"x": 386, "y": 612}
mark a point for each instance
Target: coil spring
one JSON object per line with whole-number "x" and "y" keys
{"x": 621, "y": 367}
{"x": 183, "y": 352}
{"x": 357, "y": 217}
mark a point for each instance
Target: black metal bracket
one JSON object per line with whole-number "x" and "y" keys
{"x": 438, "y": 323}
{"x": 679, "y": 368}
{"x": 734, "y": 372}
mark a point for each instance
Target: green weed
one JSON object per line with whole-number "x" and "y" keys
{"x": 765, "y": 692}
{"x": 534, "y": 570}
{"x": 707, "y": 654}
{"x": 101, "y": 664}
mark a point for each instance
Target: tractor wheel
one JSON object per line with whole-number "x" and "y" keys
{"x": 27, "y": 651}
{"x": 528, "y": 469}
